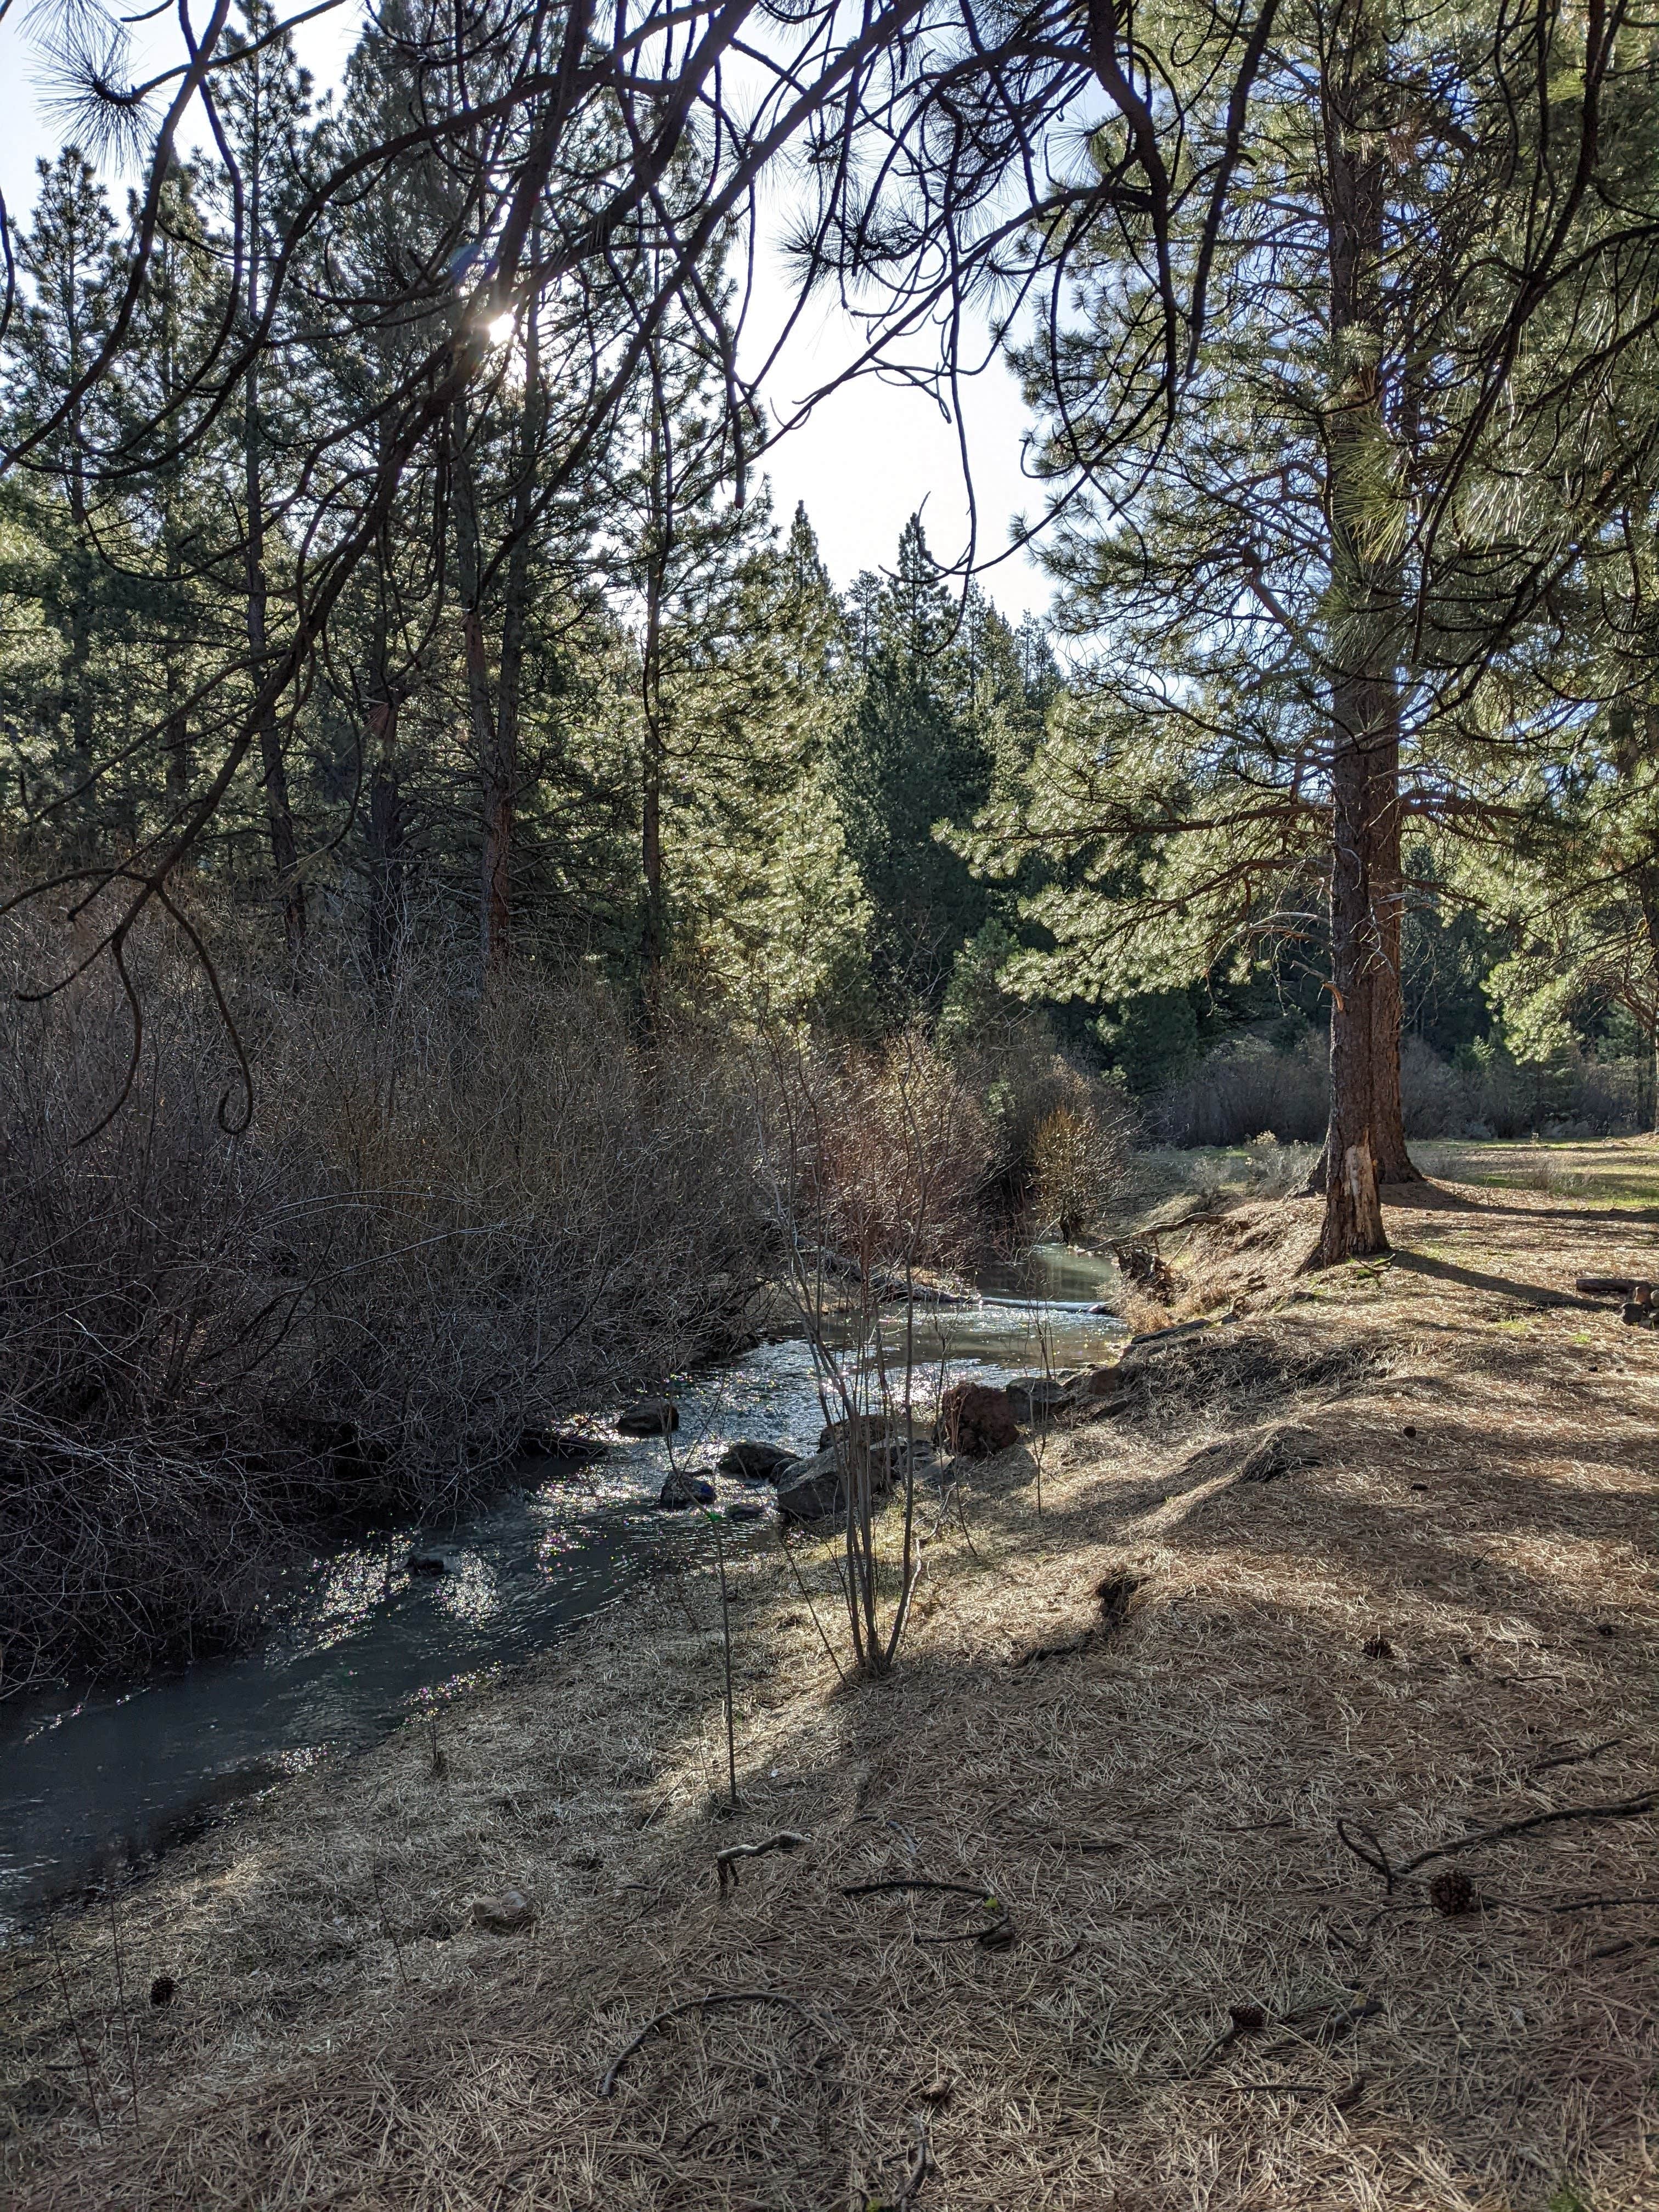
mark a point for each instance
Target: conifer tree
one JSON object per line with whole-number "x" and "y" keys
{"x": 1312, "y": 577}
{"x": 67, "y": 255}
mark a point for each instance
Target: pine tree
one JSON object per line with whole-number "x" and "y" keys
{"x": 67, "y": 256}
{"x": 920, "y": 750}
{"x": 1313, "y": 575}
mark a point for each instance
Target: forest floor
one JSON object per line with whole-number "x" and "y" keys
{"x": 1166, "y": 1980}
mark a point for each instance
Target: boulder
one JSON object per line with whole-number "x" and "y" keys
{"x": 423, "y": 1561}
{"x": 755, "y": 1462}
{"x": 813, "y": 1489}
{"x": 1037, "y": 1397}
{"x": 1098, "y": 1382}
{"x": 689, "y": 1486}
{"x": 742, "y": 1509}
{"x": 976, "y": 1421}
{"x": 504, "y": 1915}
{"x": 649, "y": 1416}
{"x": 816, "y": 1489}
{"x": 892, "y": 1455}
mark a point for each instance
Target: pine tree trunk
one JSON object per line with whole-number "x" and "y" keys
{"x": 176, "y": 736}
{"x": 279, "y": 814}
{"x": 653, "y": 749}
{"x": 502, "y": 779}
{"x": 1647, "y": 889}
{"x": 1353, "y": 1212}
{"x": 496, "y": 803}
{"x": 1363, "y": 687}
{"x": 1394, "y": 1163}
{"x": 386, "y": 833}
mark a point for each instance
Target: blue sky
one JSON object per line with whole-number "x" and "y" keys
{"x": 868, "y": 457}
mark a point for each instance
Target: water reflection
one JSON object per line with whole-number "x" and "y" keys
{"x": 361, "y": 1642}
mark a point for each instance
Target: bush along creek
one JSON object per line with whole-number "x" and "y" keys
{"x": 407, "y": 1618}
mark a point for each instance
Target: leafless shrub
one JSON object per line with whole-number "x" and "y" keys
{"x": 1246, "y": 1087}
{"x": 449, "y": 1213}
{"x": 1062, "y": 1141}
{"x": 876, "y": 1168}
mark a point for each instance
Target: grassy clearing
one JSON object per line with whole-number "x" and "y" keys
{"x": 1437, "y": 1622}
{"x": 1620, "y": 1172}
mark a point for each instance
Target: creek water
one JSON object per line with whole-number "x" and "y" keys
{"x": 95, "y": 1779}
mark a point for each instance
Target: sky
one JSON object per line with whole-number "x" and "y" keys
{"x": 869, "y": 457}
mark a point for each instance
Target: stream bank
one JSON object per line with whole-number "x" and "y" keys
{"x": 101, "y": 1779}
{"x": 1435, "y": 1625}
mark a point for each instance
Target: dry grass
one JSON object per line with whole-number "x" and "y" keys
{"x": 1152, "y": 1804}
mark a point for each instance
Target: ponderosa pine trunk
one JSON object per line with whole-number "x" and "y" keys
{"x": 1647, "y": 891}
{"x": 1364, "y": 704}
{"x": 279, "y": 813}
{"x": 1387, "y": 890}
{"x": 496, "y": 722}
{"x": 495, "y": 803}
{"x": 654, "y": 734}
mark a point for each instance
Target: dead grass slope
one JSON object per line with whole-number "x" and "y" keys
{"x": 1428, "y": 1613}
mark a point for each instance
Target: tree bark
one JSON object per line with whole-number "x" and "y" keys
{"x": 279, "y": 813}
{"x": 1388, "y": 888}
{"x": 1364, "y": 704}
{"x": 385, "y": 835}
{"x": 502, "y": 778}
{"x": 496, "y": 817}
{"x": 654, "y": 750}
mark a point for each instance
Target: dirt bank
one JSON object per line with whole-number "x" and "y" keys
{"x": 1176, "y": 1984}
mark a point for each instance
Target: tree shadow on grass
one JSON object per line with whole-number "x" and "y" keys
{"x": 1533, "y": 1294}
{"x": 1428, "y": 1197}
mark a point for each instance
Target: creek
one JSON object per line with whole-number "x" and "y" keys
{"x": 95, "y": 1779}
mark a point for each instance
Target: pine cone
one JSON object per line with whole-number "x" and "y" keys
{"x": 1452, "y": 1893}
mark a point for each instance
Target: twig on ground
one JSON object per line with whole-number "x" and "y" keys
{"x": 661, "y": 1804}
{"x": 997, "y": 1937}
{"x": 787, "y": 1839}
{"x": 919, "y": 1882}
{"x": 75, "y": 2030}
{"x": 1575, "y": 1757}
{"x": 1377, "y": 1859}
{"x": 608, "y": 2079}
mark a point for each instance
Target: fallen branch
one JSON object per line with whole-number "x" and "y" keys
{"x": 919, "y": 1882}
{"x": 996, "y": 1936}
{"x": 1575, "y": 1758}
{"x": 787, "y": 1839}
{"x": 1155, "y": 1340}
{"x": 1377, "y": 1859}
{"x": 608, "y": 2079}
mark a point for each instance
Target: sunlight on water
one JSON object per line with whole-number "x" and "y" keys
{"x": 470, "y": 1591}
